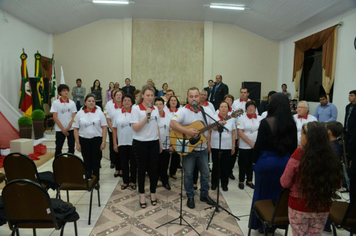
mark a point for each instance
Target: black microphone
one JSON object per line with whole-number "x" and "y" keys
{"x": 149, "y": 114}
{"x": 195, "y": 106}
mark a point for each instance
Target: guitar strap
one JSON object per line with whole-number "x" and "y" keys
{"x": 204, "y": 116}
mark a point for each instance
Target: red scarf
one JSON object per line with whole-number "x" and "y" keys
{"x": 250, "y": 117}
{"x": 62, "y": 101}
{"x": 92, "y": 111}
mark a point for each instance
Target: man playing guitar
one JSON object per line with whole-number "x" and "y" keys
{"x": 186, "y": 116}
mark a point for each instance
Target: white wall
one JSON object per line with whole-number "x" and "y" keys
{"x": 345, "y": 72}
{"x": 16, "y": 35}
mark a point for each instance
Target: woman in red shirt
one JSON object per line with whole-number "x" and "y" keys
{"x": 313, "y": 174}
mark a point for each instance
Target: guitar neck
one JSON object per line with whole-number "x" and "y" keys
{"x": 212, "y": 125}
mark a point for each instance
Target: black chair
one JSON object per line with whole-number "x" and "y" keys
{"x": 28, "y": 205}
{"x": 20, "y": 166}
{"x": 69, "y": 174}
{"x": 343, "y": 215}
{"x": 272, "y": 213}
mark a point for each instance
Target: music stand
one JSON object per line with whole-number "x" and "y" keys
{"x": 217, "y": 205}
{"x": 182, "y": 147}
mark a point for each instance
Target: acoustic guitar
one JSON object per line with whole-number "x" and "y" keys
{"x": 177, "y": 138}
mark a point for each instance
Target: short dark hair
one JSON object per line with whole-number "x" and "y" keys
{"x": 62, "y": 87}
{"x": 323, "y": 96}
{"x": 210, "y": 80}
{"x": 229, "y": 96}
{"x": 271, "y": 93}
{"x": 335, "y": 128}
{"x": 170, "y": 90}
{"x": 251, "y": 102}
{"x": 352, "y": 92}
{"x": 127, "y": 95}
{"x": 79, "y": 79}
{"x": 159, "y": 99}
{"x": 244, "y": 88}
{"x": 228, "y": 107}
{"x": 285, "y": 85}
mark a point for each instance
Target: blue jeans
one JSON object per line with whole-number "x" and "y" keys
{"x": 201, "y": 159}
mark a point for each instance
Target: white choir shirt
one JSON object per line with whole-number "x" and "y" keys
{"x": 170, "y": 111}
{"x": 108, "y": 106}
{"x": 301, "y": 121}
{"x": 250, "y": 126}
{"x": 64, "y": 112}
{"x": 209, "y": 105}
{"x": 226, "y": 140}
{"x": 149, "y": 131}
{"x": 164, "y": 129}
{"x": 187, "y": 116}
{"x": 241, "y": 104}
{"x": 112, "y": 110}
{"x": 264, "y": 114}
{"x": 231, "y": 110}
{"x": 90, "y": 123}
{"x": 125, "y": 132}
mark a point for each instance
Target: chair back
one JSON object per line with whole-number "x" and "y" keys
{"x": 28, "y": 205}
{"x": 20, "y": 166}
{"x": 69, "y": 168}
{"x": 46, "y": 109}
{"x": 350, "y": 216}
{"x": 280, "y": 213}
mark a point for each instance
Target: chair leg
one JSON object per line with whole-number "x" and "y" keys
{"x": 75, "y": 228}
{"x": 286, "y": 231}
{"x": 98, "y": 197}
{"x": 34, "y": 232}
{"x": 67, "y": 196}
{"x": 62, "y": 230}
{"x": 91, "y": 199}
{"x": 334, "y": 229}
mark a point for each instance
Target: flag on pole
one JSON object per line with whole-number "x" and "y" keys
{"x": 53, "y": 81}
{"x": 25, "y": 103}
{"x": 40, "y": 83}
{"x": 62, "y": 76}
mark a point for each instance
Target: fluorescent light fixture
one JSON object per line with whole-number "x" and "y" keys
{"x": 110, "y": 2}
{"x": 227, "y": 6}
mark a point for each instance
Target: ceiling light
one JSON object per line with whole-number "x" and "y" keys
{"x": 227, "y": 6}
{"x": 110, "y": 2}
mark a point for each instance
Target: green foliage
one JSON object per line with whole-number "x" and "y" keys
{"x": 24, "y": 121}
{"x": 38, "y": 115}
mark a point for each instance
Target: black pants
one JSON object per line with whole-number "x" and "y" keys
{"x": 99, "y": 104}
{"x": 111, "y": 148}
{"x": 91, "y": 155}
{"x": 224, "y": 167}
{"x": 233, "y": 158}
{"x": 147, "y": 154}
{"x": 245, "y": 164}
{"x": 128, "y": 163}
{"x": 163, "y": 162}
{"x": 350, "y": 146}
{"x": 175, "y": 162}
{"x": 78, "y": 105}
{"x": 60, "y": 138}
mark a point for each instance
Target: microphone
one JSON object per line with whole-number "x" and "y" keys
{"x": 149, "y": 114}
{"x": 195, "y": 106}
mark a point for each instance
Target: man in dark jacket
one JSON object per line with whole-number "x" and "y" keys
{"x": 219, "y": 91}
{"x": 128, "y": 88}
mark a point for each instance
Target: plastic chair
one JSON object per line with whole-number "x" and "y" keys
{"x": 272, "y": 213}
{"x": 343, "y": 215}
{"x": 20, "y": 166}
{"x": 69, "y": 174}
{"x": 28, "y": 205}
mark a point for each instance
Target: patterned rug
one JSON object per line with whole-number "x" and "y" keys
{"x": 123, "y": 215}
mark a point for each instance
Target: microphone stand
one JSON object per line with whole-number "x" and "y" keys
{"x": 217, "y": 206}
{"x": 180, "y": 217}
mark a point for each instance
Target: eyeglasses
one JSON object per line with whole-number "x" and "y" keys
{"x": 301, "y": 107}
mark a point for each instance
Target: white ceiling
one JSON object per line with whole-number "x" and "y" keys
{"x": 271, "y": 19}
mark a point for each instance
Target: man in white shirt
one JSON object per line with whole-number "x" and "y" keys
{"x": 63, "y": 110}
{"x": 204, "y": 102}
{"x": 241, "y": 102}
{"x": 199, "y": 156}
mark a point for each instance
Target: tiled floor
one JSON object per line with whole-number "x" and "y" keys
{"x": 239, "y": 202}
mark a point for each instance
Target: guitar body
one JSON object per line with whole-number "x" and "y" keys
{"x": 176, "y": 139}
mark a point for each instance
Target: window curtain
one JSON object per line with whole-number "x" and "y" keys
{"x": 326, "y": 38}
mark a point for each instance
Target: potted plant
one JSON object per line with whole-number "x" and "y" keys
{"x": 38, "y": 118}
{"x": 25, "y": 127}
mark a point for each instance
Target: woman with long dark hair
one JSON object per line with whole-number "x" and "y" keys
{"x": 146, "y": 142}
{"x": 96, "y": 90}
{"x": 313, "y": 174}
{"x": 90, "y": 135}
{"x": 276, "y": 141}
